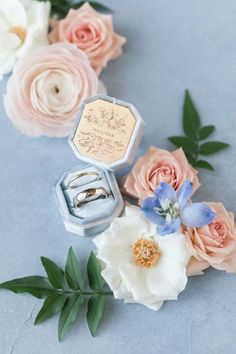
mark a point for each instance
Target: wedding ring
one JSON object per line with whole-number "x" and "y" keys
{"x": 71, "y": 184}
{"x": 89, "y": 195}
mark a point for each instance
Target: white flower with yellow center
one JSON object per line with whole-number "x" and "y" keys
{"x": 23, "y": 28}
{"x": 139, "y": 265}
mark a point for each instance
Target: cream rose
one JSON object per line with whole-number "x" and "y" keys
{"x": 23, "y": 28}
{"x": 46, "y": 89}
{"x": 91, "y": 32}
{"x": 139, "y": 265}
{"x": 215, "y": 244}
{"x": 156, "y": 166}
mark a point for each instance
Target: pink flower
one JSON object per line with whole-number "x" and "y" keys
{"x": 158, "y": 166}
{"x": 91, "y": 32}
{"x": 46, "y": 89}
{"x": 213, "y": 245}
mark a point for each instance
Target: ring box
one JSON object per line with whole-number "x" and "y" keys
{"x": 93, "y": 217}
{"x": 105, "y": 138}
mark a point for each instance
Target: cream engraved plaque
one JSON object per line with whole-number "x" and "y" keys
{"x": 104, "y": 131}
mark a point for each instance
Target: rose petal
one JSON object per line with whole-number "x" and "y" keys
{"x": 156, "y": 166}
{"x": 90, "y": 31}
{"x": 196, "y": 267}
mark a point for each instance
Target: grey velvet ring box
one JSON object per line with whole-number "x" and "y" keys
{"x": 105, "y": 138}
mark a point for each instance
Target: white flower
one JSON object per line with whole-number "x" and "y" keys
{"x": 139, "y": 265}
{"x": 23, "y": 28}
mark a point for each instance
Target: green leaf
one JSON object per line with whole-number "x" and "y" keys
{"x": 96, "y": 306}
{"x": 190, "y": 159}
{"x": 204, "y": 164}
{"x": 100, "y": 7}
{"x": 52, "y": 305}
{"x": 59, "y": 10}
{"x": 182, "y": 141}
{"x": 212, "y": 147}
{"x": 73, "y": 273}
{"x": 55, "y": 274}
{"x": 62, "y": 7}
{"x": 191, "y": 119}
{"x": 96, "y": 280}
{"x": 206, "y": 131}
{"x": 96, "y": 5}
{"x": 69, "y": 314}
{"x": 35, "y": 285}
{"x": 59, "y": 7}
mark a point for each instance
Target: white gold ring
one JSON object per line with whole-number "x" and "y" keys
{"x": 72, "y": 185}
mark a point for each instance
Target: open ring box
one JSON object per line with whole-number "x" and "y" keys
{"x": 105, "y": 138}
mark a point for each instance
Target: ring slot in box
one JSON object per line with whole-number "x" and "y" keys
{"x": 106, "y": 136}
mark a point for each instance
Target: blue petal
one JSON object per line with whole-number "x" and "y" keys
{"x": 165, "y": 191}
{"x": 167, "y": 229}
{"x": 197, "y": 215}
{"x": 157, "y": 203}
{"x": 184, "y": 193}
{"x": 153, "y": 217}
{"x": 149, "y": 203}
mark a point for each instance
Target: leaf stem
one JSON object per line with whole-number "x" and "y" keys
{"x": 196, "y": 154}
{"x": 85, "y": 293}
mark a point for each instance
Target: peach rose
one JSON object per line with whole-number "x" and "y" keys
{"x": 91, "y": 32}
{"x": 213, "y": 245}
{"x": 158, "y": 166}
{"x": 46, "y": 89}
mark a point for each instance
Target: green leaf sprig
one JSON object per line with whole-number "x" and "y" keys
{"x": 195, "y": 133}
{"x": 64, "y": 292}
{"x": 60, "y": 8}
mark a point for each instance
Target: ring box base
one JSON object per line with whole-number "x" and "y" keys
{"x": 97, "y": 215}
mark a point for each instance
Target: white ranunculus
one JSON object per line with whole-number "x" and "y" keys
{"x": 159, "y": 272}
{"x": 23, "y": 28}
{"x": 54, "y": 80}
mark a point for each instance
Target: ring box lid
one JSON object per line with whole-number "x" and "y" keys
{"x": 107, "y": 132}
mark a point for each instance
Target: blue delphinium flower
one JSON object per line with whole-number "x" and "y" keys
{"x": 169, "y": 209}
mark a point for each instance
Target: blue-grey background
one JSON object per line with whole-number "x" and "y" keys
{"x": 172, "y": 45}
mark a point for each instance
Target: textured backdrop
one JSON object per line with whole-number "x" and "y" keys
{"x": 172, "y": 45}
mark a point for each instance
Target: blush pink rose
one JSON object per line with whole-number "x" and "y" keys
{"x": 157, "y": 166}
{"x": 213, "y": 245}
{"x": 91, "y": 32}
{"x": 46, "y": 89}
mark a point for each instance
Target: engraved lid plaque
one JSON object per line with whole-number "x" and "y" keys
{"x": 107, "y": 132}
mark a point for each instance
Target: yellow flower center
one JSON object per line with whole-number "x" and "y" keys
{"x": 19, "y": 31}
{"x": 145, "y": 253}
